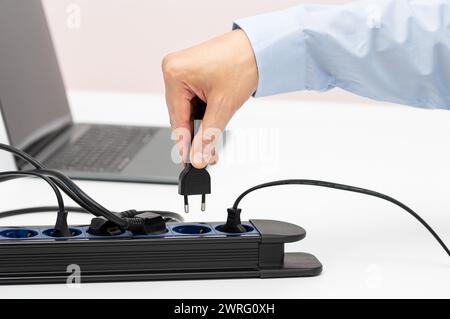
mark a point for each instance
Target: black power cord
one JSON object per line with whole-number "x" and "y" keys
{"x": 169, "y": 217}
{"x": 136, "y": 221}
{"x": 17, "y": 174}
{"x": 233, "y": 223}
{"x": 40, "y": 209}
{"x": 67, "y": 185}
{"x": 61, "y": 228}
{"x": 81, "y": 198}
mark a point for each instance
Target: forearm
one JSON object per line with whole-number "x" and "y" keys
{"x": 391, "y": 50}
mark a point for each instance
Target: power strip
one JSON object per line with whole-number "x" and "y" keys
{"x": 29, "y": 255}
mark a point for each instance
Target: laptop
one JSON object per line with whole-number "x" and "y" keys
{"x": 37, "y": 116}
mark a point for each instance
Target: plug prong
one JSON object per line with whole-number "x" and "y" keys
{"x": 203, "y": 202}
{"x": 186, "y": 204}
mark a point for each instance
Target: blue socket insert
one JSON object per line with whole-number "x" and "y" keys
{"x": 19, "y": 233}
{"x": 125, "y": 234}
{"x": 192, "y": 229}
{"x": 76, "y": 233}
{"x": 250, "y": 230}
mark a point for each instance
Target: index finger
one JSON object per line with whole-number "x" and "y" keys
{"x": 179, "y": 107}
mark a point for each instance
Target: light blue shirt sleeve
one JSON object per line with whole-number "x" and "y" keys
{"x": 388, "y": 50}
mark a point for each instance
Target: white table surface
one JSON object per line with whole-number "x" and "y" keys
{"x": 368, "y": 247}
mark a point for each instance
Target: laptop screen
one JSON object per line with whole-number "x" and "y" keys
{"x": 32, "y": 94}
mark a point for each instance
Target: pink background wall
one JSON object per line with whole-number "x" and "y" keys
{"x": 117, "y": 45}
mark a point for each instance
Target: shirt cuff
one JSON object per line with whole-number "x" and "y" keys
{"x": 279, "y": 47}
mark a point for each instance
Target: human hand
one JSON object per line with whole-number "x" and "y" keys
{"x": 223, "y": 73}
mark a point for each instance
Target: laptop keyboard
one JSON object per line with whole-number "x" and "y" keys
{"x": 102, "y": 148}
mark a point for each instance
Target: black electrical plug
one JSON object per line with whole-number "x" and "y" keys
{"x": 233, "y": 224}
{"x": 100, "y": 226}
{"x": 146, "y": 223}
{"x": 194, "y": 181}
{"x": 61, "y": 227}
{"x": 140, "y": 223}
